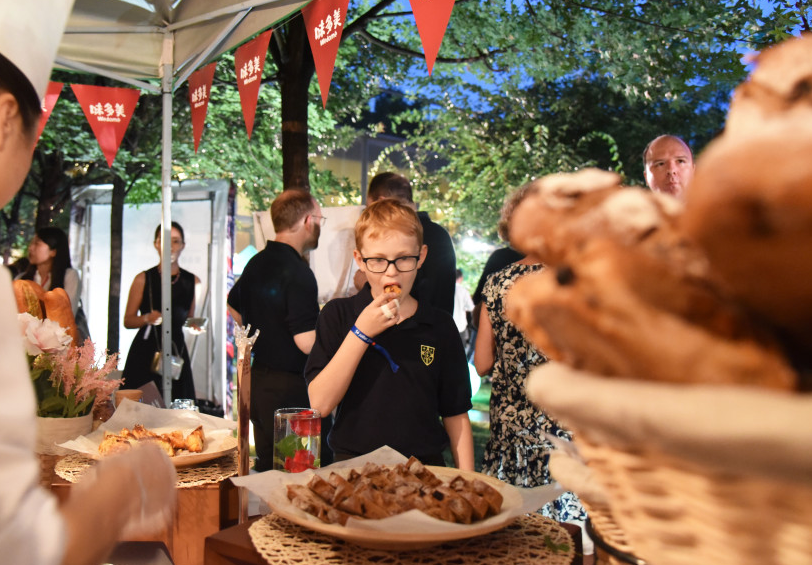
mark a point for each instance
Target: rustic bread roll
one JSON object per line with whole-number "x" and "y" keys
{"x": 52, "y": 304}
{"x": 778, "y": 89}
{"x": 628, "y": 294}
{"x": 555, "y": 201}
{"x": 28, "y": 295}
{"x": 641, "y": 229}
{"x": 566, "y": 211}
{"x": 753, "y": 219}
{"x": 590, "y": 316}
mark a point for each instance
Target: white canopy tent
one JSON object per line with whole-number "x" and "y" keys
{"x": 155, "y": 45}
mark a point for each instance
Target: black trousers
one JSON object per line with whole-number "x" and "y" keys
{"x": 270, "y": 390}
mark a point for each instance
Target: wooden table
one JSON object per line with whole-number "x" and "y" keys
{"x": 202, "y": 511}
{"x": 140, "y": 553}
{"x": 233, "y": 546}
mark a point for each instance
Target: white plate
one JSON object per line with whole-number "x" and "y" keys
{"x": 394, "y": 538}
{"x": 217, "y": 443}
{"x": 215, "y": 447}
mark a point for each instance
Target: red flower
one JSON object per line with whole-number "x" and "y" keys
{"x": 301, "y": 461}
{"x": 306, "y": 426}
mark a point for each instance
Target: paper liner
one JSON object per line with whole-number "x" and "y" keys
{"x": 271, "y": 486}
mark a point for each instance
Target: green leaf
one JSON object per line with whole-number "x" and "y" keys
{"x": 52, "y": 406}
{"x": 555, "y": 547}
{"x": 288, "y": 446}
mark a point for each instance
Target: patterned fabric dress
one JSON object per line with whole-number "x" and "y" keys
{"x": 516, "y": 451}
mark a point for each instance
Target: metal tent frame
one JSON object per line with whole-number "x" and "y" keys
{"x": 135, "y": 41}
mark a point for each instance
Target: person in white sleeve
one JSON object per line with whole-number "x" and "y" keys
{"x": 129, "y": 494}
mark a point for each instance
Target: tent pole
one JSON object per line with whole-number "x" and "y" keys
{"x": 166, "y": 217}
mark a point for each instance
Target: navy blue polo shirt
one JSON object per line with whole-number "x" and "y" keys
{"x": 402, "y": 409}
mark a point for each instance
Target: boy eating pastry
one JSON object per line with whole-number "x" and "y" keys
{"x": 394, "y": 369}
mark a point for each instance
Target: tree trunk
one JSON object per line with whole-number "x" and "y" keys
{"x": 53, "y": 191}
{"x": 296, "y": 70}
{"x": 116, "y": 231}
{"x": 12, "y": 223}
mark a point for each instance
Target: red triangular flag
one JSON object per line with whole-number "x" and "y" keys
{"x": 431, "y": 17}
{"x": 250, "y": 60}
{"x": 324, "y": 21}
{"x": 199, "y": 90}
{"x": 51, "y": 96}
{"x": 109, "y": 110}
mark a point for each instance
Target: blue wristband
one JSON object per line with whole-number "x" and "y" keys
{"x": 369, "y": 341}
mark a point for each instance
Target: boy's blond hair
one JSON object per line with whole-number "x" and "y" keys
{"x": 385, "y": 215}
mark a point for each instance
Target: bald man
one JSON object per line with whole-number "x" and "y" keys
{"x": 669, "y": 165}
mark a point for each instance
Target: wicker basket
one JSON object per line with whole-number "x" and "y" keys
{"x": 612, "y": 547}
{"x": 693, "y": 474}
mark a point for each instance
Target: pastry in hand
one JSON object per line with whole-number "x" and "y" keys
{"x": 393, "y": 288}
{"x": 390, "y": 308}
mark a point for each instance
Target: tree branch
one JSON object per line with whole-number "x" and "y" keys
{"x": 134, "y": 178}
{"x": 416, "y": 54}
{"x": 630, "y": 18}
{"x": 402, "y": 14}
{"x": 534, "y": 18}
{"x": 361, "y": 21}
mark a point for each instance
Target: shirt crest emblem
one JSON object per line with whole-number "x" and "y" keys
{"x": 427, "y": 354}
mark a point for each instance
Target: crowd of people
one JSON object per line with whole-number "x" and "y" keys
{"x": 387, "y": 366}
{"x": 385, "y": 362}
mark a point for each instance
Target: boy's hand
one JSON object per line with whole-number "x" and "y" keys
{"x": 382, "y": 313}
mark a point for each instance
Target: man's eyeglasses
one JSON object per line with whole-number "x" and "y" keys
{"x": 379, "y": 264}
{"x": 321, "y": 220}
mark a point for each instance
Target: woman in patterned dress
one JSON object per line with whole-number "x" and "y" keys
{"x": 516, "y": 452}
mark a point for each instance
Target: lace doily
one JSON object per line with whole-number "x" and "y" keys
{"x": 532, "y": 539}
{"x": 72, "y": 467}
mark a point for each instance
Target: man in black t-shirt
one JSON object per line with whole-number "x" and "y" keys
{"x": 278, "y": 295}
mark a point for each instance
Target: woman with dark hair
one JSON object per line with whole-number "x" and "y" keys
{"x": 143, "y": 312}
{"x": 50, "y": 265}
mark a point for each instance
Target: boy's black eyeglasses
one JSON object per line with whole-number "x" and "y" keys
{"x": 379, "y": 264}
